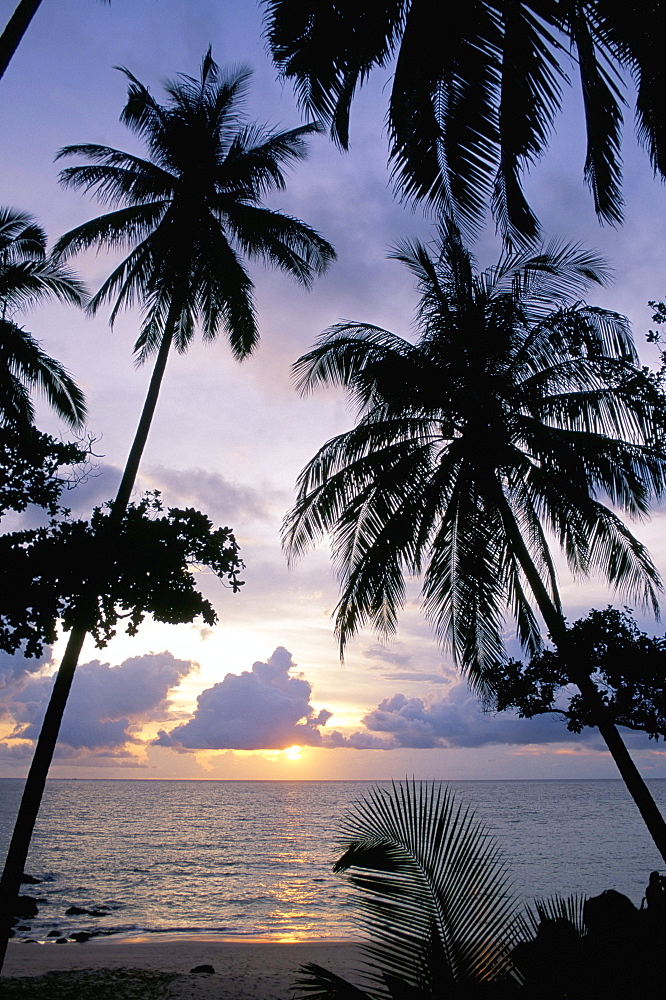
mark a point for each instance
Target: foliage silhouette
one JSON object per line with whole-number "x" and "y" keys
{"x": 435, "y": 900}
{"x": 518, "y": 413}
{"x": 28, "y": 276}
{"x": 90, "y": 575}
{"x": 627, "y": 666}
{"x": 35, "y": 468}
{"x": 97, "y": 572}
{"x": 472, "y": 105}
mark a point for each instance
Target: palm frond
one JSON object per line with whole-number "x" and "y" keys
{"x": 463, "y": 595}
{"x": 624, "y": 560}
{"x": 27, "y": 282}
{"x": 279, "y": 240}
{"x": 548, "y": 276}
{"x": 21, "y": 238}
{"x": 28, "y": 276}
{"x": 27, "y": 367}
{"x": 317, "y": 983}
{"x": 113, "y": 230}
{"x": 256, "y": 161}
{"x": 435, "y": 893}
{"x": 472, "y": 109}
{"x": 352, "y": 355}
{"x": 114, "y": 176}
{"x": 332, "y": 53}
{"x": 603, "y": 102}
{"x": 568, "y": 908}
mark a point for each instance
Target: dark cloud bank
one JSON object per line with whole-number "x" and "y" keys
{"x": 105, "y": 704}
{"x": 266, "y": 707}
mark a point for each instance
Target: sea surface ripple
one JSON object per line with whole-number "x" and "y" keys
{"x": 254, "y": 858}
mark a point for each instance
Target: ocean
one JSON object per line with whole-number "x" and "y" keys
{"x": 254, "y": 858}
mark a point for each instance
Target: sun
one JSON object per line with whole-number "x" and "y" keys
{"x": 292, "y": 753}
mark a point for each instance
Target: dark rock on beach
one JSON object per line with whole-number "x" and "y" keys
{"x": 619, "y": 955}
{"x": 80, "y": 936}
{"x": 203, "y": 968}
{"x": 78, "y": 911}
{"x": 25, "y": 906}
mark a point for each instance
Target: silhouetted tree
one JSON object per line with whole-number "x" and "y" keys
{"x": 518, "y": 414}
{"x": 627, "y": 666}
{"x": 88, "y": 575}
{"x": 35, "y": 468}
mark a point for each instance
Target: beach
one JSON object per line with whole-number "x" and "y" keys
{"x": 146, "y": 966}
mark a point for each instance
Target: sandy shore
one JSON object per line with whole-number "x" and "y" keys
{"x": 159, "y": 966}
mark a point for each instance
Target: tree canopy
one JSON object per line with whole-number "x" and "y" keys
{"x": 35, "y": 468}
{"x": 192, "y": 210}
{"x": 627, "y": 666}
{"x": 99, "y": 572}
{"x": 517, "y": 415}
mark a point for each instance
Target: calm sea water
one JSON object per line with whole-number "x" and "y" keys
{"x": 246, "y": 858}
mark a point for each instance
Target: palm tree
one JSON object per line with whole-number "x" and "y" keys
{"x": 473, "y": 102}
{"x": 189, "y": 212}
{"x": 29, "y": 276}
{"x": 516, "y": 418}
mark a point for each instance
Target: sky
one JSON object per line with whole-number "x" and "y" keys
{"x": 233, "y": 701}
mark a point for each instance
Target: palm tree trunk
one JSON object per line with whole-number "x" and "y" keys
{"x": 556, "y": 625}
{"x": 15, "y": 29}
{"x": 141, "y": 435}
{"x": 34, "y": 787}
{"x": 10, "y": 884}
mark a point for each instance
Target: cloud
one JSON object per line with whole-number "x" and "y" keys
{"x": 402, "y": 667}
{"x": 418, "y": 676}
{"x": 390, "y": 655}
{"x": 106, "y": 703}
{"x": 16, "y": 752}
{"x": 222, "y": 500}
{"x": 458, "y": 721}
{"x": 265, "y": 708}
{"x": 269, "y": 708}
{"x": 358, "y": 741}
{"x": 15, "y": 668}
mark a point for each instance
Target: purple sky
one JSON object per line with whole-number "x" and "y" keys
{"x": 230, "y": 439}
